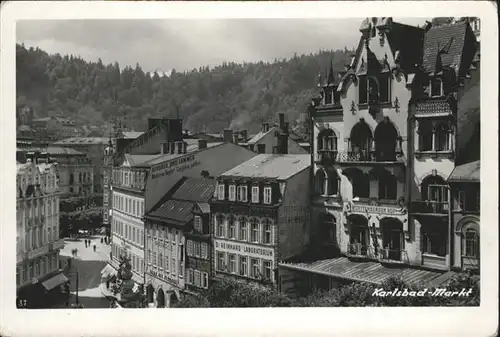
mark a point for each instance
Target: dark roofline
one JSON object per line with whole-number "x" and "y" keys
{"x": 168, "y": 195}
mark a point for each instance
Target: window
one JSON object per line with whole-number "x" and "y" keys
{"x": 266, "y": 237}
{"x": 443, "y": 137}
{"x": 133, "y": 235}
{"x": 197, "y": 278}
{"x": 267, "y": 270}
{"x": 387, "y": 186}
{"x": 166, "y": 264}
{"x": 461, "y": 200}
{"x": 204, "y": 280}
{"x": 436, "y": 85}
{"x": 255, "y": 194}
{"x": 261, "y": 148}
{"x": 384, "y": 87}
{"x": 221, "y": 191}
{"x": 232, "y": 192}
{"x": 133, "y": 207}
{"x": 221, "y": 264}
{"x": 470, "y": 243}
{"x": 243, "y": 229}
{"x": 174, "y": 266}
{"x": 149, "y": 255}
{"x": 255, "y": 270}
{"x": 220, "y": 226}
{"x": 425, "y": 136}
{"x": 231, "y": 233}
{"x": 181, "y": 269}
{"x": 434, "y": 239}
{"x": 189, "y": 248}
{"x": 190, "y": 276}
{"x": 198, "y": 223}
{"x": 154, "y": 259}
{"x": 242, "y": 193}
{"x": 267, "y": 195}
{"x": 204, "y": 250}
{"x": 197, "y": 249}
{"x": 160, "y": 260}
{"x": 243, "y": 266}
{"x": 232, "y": 263}
{"x": 254, "y": 233}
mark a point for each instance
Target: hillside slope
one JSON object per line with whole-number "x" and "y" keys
{"x": 229, "y": 95}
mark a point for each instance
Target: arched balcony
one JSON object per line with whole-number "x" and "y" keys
{"x": 434, "y": 199}
{"x": 387, "y": 142}
{"x": 327, "y": 182}
{"x": 327, "y": 147}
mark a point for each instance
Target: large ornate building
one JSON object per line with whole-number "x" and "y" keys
{"x": 384, "y": 143}
{"x": 38, "y": 274}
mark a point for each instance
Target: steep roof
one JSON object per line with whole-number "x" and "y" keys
{"x": 276, "y": 166}
{"x": 451, "y": 42}
{"x": 261, "y": 135}
{"x": 178, "y": 209}
{"x": 470, "y": 172}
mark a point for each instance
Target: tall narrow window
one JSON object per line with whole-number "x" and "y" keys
{"x": 436, "y": 87}
{"x": 267, "y": 270}
{"x": 220, "y": 225}
{"x": 443, "y": 137}
{"x": 197, "y": 223}
{"x": 470, "y": 243}
{"x": 231, "y": 228}
{"x": 425, "y": 136}
{"x": 232, "y": 192}
{"x": 254, "y": 230}
{"x": 232, "y": 263}
{"x": 242, "y": 193}
{"x": 221, "y": 264}
{"x": 255, "y": 194}
{"x": 243, "y": 229}
{"x": 243, "y": 266}
{"x": 266, "y": 235}
{"x": 221, "y": 195}
{"x": 255, "y": 270}
{"x": 267, "y": 195}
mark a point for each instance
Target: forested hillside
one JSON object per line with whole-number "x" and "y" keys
{"x": 229, "y": 95}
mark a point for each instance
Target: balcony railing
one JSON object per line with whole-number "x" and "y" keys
{"x": 366, "y": 156}
{"x": 360, "y": 251}
{"x": 430, "y": 207}
{"x": 393, "y": 256}
{"x": 325, "y": 157}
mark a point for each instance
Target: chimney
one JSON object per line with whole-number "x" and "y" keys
{"x": 172, "y": 147}
{"x": 228, "y": 135}
{"x": 164, "y": 147}
{"x": 184, "y": 147}
{"x": 179, "y": 147}
{"x": 202, "y": 144}
{"x": 265, "y": 127}
{"x": 281, "y": 117}
{"x": 282, "y": 139}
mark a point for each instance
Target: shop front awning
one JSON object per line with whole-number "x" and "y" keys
{"x": 108, "y": 271}
{"x": 368, "y": 271}
{"x": 54, "y": 281}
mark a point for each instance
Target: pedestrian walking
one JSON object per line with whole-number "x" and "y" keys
{"x": 94, "y": 247}
{"x": 85, "y": 243}
{"x": 102, "y": 240}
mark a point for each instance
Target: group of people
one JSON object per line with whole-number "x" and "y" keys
{"x": 88, "y": 242}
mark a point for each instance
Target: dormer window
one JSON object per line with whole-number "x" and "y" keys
{"x": 198, "y": 224}
{"x": 267, "y": 195}
{"x": 255, "y": 194}
{"x": 328, "y": 96}
{"x": 220, "y": 195}
{"x": 436, "y": 85}
{"x": 232, "y": 192}
{"x": 242, "y": 193}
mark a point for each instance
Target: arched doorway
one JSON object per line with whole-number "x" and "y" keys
{"x": 359, "y": 235}
{"x": 386, "y": 138}
{"x": 468, "y": 233}
{"x": 392, "y": 239}
{"x": 160, "y": 299}
{"x": 150, "y": 293}
{"x": 361, "y": 140}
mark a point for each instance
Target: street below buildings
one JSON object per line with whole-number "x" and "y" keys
{"x": 87, "y": 266}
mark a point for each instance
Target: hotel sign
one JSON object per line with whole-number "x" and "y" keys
{"x": 353, "y": 208}
{"x": 175, "y": 165}
{"x": 244, "y": 249}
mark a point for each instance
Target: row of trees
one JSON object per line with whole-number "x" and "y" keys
{"x": 230, "y": 293}
{"x": 206, "y": 98}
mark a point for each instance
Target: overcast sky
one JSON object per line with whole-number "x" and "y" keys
{"x": 183, "y": 44}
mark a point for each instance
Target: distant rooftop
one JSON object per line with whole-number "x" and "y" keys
{"x": 276, "y": 166}
{"x": 82, "y": 141}
{"x": 131, "y": 134}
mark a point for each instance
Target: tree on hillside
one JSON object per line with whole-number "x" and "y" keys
{"x": 208, "y": 99}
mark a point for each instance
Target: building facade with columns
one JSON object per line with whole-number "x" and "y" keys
{"x": 38, "y": 273}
